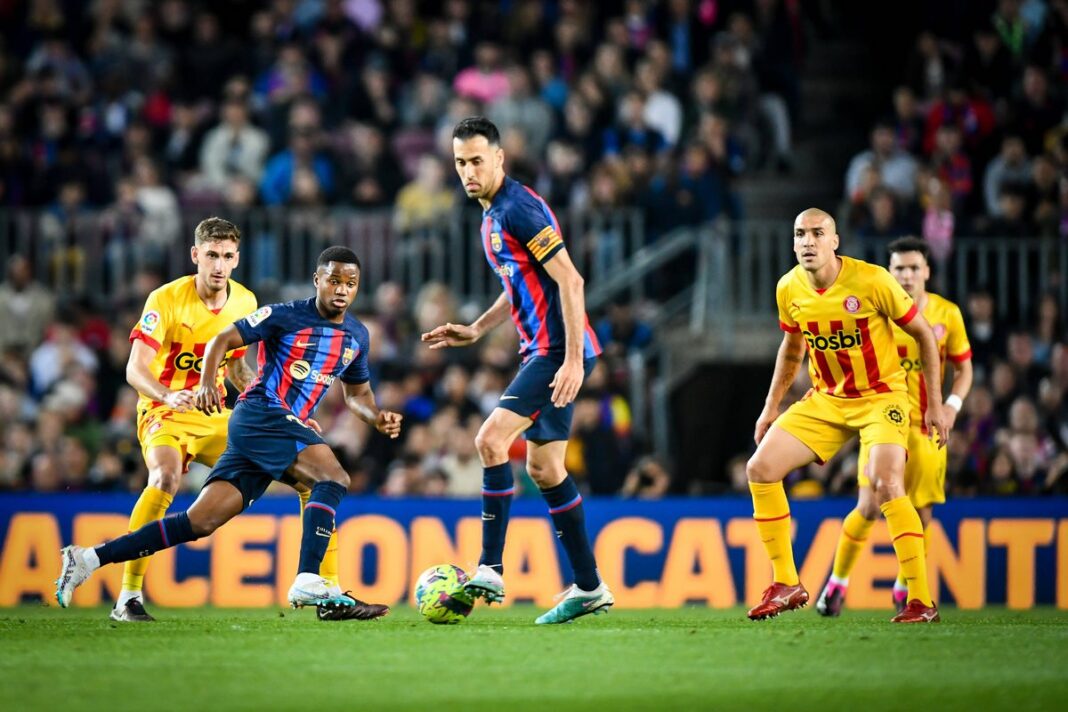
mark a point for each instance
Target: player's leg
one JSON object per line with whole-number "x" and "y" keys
{"x": 545, "y": 465}
{"x": 218, "y": 503}
{"x": 493, "y": 441}
{"x": 328, "y": 568}
{"x": 856, "y": 527}
{"x": 166, "y": 463}
{"x": 906, "y": 529}
{"x": 317, "y": 468}
{"x": 811, "y": 429}
{"x": 925, "y": 484}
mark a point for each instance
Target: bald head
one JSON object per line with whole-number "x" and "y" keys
{"x": 815, "y": 216}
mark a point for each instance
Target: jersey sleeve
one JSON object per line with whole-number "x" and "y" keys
{"x": 786, "y": 322}
{"x": 249, "y": 307}
{"x": 358, "y": 371}
{"x": 535, "y": 227}
{"x": 154, "y": 322}
{"x": 892, "y": 299}
{"x": 264, "y": 323}
{"x": 958, "y": 348}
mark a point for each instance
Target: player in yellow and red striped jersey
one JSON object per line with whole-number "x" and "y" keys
{"x": 164, "y": 367}
{"x": 841, "y": 310}
{"x": 925, "y": 471}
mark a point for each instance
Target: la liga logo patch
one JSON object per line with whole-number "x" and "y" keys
{"x": 894, "y": 414}
{"x": 149, "y": 322}
{"x": 257, "y": 317}
{"x": 851, "y": 304}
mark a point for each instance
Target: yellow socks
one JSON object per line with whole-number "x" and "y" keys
{"x": 906, "y": 531}
{"x": 772, "y": 514}
{"x": 328, "y": 567}
{"x": 901, "y": 584}
{"x": 852, "y": 540}
{"x": 151, "y": 505}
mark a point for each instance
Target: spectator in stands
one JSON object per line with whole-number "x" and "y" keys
{"x": 984, "y": 332}
{"x": 60, "y": 351}
{"x": 485, "y": 81}
{"x": 276, "y": 186}
{"x": 648, "y": 479}
{"x": 1036, "y": 111}
{"x": 1011, "y": 220}
{"x": 895, "y": 167}
{"x": 952, "y": 166}
{"x": 371, "y": 176}
{"x": 524, "y": 110}
{"x": 26, "y": 307}
{"x": 908, "y": 121}
{"x": 883, "y": 222}
{"x": 426, "y": 201}
{"x": 1011, "y": 165}
{"x": 234, "y": 148}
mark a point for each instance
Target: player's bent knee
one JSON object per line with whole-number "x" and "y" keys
{"x": 204, "y": 524}
{"x": 167, "y": 479}
{"x": 759, "y": 470}
{"x": 491, "y": 446}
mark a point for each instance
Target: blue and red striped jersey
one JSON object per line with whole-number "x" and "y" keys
{"x": 301, "y": 355}
{"x": 520, "y": 234}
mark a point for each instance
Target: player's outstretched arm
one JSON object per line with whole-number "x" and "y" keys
{"x": 787, "y": 363}
{"x": 208, "y": 398}
{"x": 447, "y": 335}
{"x": 569, "y": 377}
{"x": 360, "y": 399}
{"x": 935, "y": 419}
{"x": 139, "y": 376}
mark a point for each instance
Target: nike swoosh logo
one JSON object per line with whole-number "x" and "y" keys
{"x": 304, "y": 344}
{"x": 509, "y": 397}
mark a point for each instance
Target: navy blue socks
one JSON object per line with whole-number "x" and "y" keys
{"x": 318, "y": 524}
{"x": 498, "y": 486}
{"x": 152, "y": 537}
{"x": 569, "y": 519}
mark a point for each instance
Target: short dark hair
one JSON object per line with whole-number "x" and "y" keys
{"x": 477, "y": 126}
{"x": 337, "y": 253}
{"x": 910, "y": 243}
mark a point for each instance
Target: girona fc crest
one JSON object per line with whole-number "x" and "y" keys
{"x": 851, "y": 304}
{"x": 347, "y": 356}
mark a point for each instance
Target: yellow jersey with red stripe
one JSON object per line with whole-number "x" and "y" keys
{"x": 948, "y": 326}
{"x": 848, "y": 327}
{"x": 178, "y": 325}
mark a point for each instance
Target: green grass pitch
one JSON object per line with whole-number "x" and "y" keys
{"x": 692, "y": 658}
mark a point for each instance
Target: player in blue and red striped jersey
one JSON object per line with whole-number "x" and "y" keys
{"x": 543, "y": 294}
{"x": 306, "y": 345}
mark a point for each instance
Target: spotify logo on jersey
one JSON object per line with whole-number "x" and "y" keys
{"x": 299, "y": 370}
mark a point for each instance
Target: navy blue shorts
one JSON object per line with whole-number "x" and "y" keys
{"x": 529, "y": 395}
{"x": 262, "y": 442}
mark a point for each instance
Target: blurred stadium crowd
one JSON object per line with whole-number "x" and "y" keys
{"x": 136, "y": 111}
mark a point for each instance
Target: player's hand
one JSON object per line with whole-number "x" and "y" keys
{"x": 448, "y": 335}
{"x": 389, "y": 423}
{"x": 314, "y": 425}
{"x": 179, "y": 401}
{"x": 208, "y": 400}
{"x": 566, "y": 383}
{"x": 763, "y": 424}
{"x": 937, "y": 422}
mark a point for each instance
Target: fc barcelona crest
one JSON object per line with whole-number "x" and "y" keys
{"x": 495, "y": 241}
{"x": 347, "y": 356}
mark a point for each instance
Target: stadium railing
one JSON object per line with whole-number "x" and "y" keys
{"x": 98, "y": 253}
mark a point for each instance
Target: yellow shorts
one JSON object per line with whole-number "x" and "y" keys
{"x": 197, "y": 436}
{"x": 925, "y": 470}
{"x": 825, "y": 423}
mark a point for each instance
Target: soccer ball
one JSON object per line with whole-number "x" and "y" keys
{"x": 440, "y": 594}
